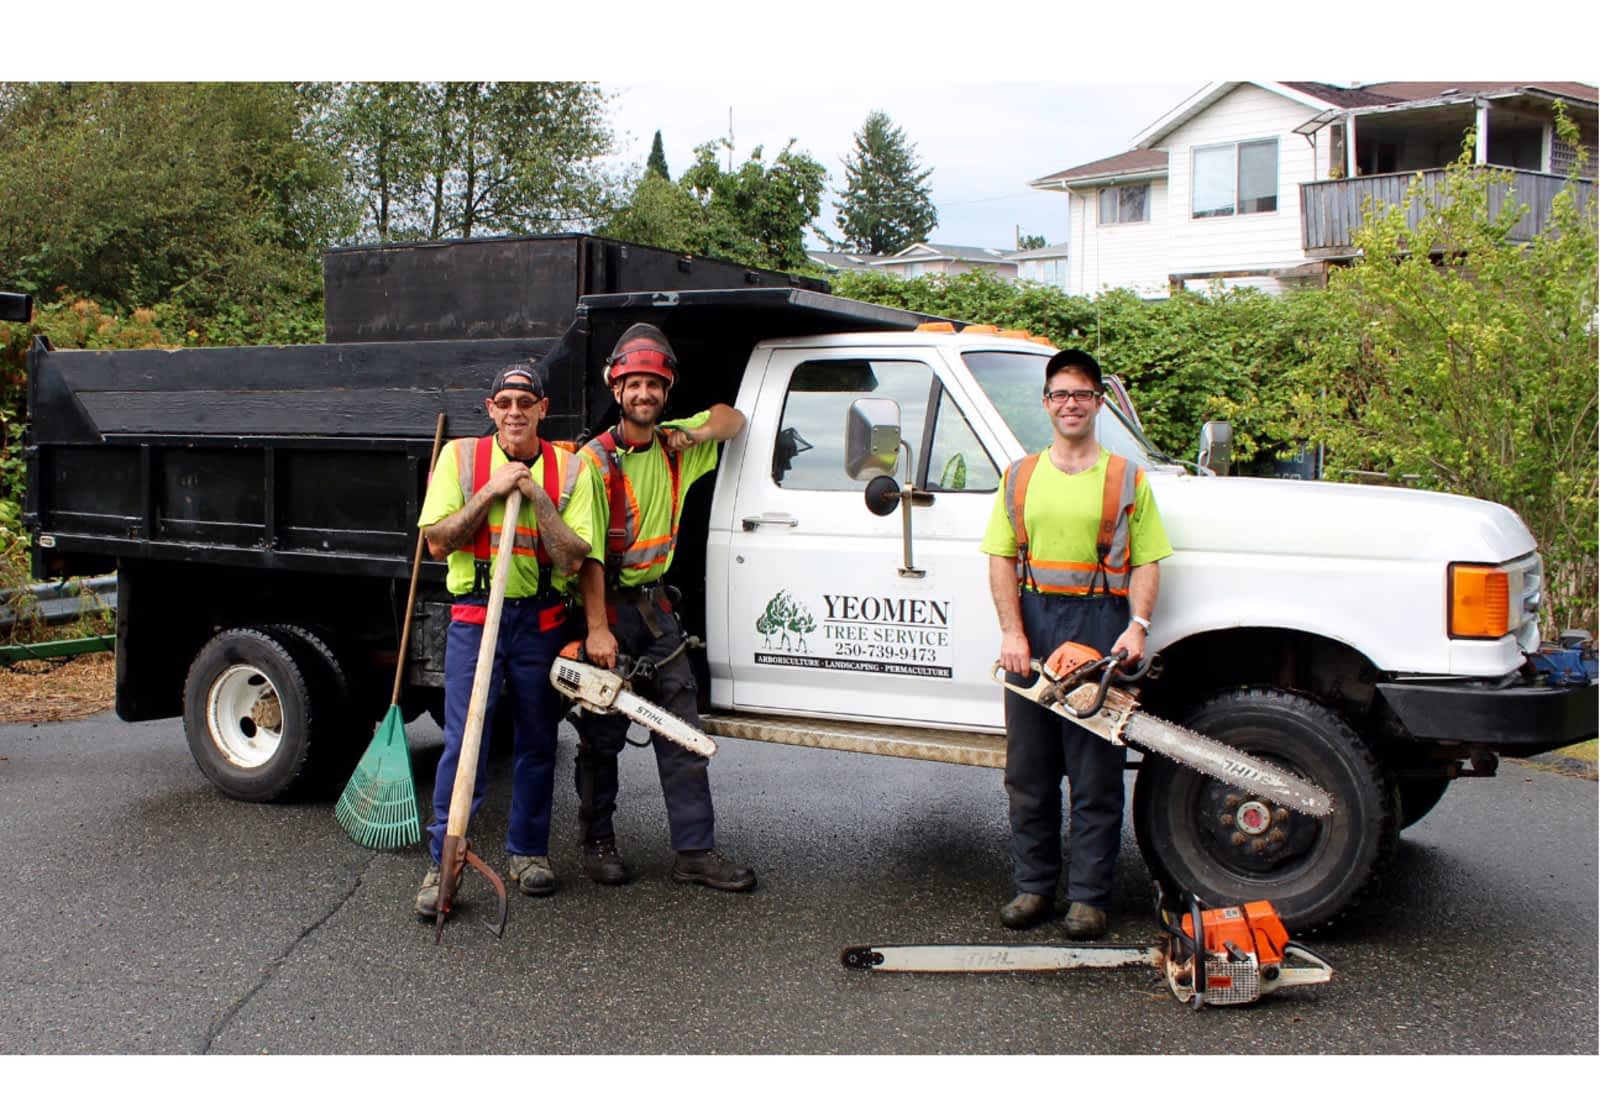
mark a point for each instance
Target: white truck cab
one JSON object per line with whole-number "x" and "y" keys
{"x": 1309, "y": 622}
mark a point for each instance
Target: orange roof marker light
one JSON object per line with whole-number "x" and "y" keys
{"x": 986, "y": 330}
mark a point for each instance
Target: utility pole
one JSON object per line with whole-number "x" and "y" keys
{"x": 730, "y": 138}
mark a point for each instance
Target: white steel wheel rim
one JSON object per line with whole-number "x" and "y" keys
{"x": 245, "y": 715}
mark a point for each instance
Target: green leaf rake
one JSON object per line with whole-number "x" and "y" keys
{"x": 378, "y": 807}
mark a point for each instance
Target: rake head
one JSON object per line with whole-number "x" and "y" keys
{"x": 378, "y": 807}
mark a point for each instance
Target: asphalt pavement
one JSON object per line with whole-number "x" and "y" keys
{"x": 144, "y": 913}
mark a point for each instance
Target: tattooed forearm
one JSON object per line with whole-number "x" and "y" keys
{"x": 456, "y": 531}
{"x": 566, "y": 548}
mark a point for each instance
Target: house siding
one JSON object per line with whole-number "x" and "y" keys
{"x": 1107, "y": 256}
{"x": 1249, "y": 240}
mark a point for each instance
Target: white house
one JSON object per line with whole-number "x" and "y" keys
{"x": 945, "y": 258}
{"x": 1261, "y": 182}
{"x": 1047, "y": 265}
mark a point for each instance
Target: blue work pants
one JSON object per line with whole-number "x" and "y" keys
{"x": 522, "y": 660}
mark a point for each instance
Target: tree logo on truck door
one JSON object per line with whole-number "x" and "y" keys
{"x": 784, "y": 624}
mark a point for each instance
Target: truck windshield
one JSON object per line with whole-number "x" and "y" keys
{"x": 1014, "y": 381}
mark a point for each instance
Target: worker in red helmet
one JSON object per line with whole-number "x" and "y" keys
{"x": 645, "y": 467}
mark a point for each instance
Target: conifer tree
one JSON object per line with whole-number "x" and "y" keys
{"x": 886, "y": 205}
{"x": 657, "y": 162}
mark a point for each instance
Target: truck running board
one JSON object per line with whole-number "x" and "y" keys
{"x": 952, "y": 746}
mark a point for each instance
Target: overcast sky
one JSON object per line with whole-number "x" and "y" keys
{"x": 983, "y": 140}
{"x": 993, "y": 93}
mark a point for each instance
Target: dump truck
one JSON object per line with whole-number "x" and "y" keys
{"x": 257, "y": 506}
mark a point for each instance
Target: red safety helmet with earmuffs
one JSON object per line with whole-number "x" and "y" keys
{"x": 643, "y": 349}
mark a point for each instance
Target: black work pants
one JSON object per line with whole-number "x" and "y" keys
{"x": 685, "y": 783}
{"x": 1042, "y": 747}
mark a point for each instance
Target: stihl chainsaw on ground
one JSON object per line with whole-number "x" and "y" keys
{"x": 1082, "y": 686}
{"x": 1229, "y": 955}
{"x": 604, "y": 691}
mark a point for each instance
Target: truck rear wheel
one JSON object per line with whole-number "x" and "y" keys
{"x": 248, "y": 706}
{"x": 1313, "y": 870}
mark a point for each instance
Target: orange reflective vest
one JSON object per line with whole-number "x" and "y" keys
{"x": 1110, "y": 572}
{"x": 474, "y": 462}
{"x": 625, "y": 548}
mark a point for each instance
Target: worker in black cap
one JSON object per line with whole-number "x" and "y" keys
{"x": 463, "y": 514}
{"x": 1073, "y": 543}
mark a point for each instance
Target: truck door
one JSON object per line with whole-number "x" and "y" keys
{"x": 822, "y": 619}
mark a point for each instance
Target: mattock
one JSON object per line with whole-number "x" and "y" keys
{"x": 457, "y": 851}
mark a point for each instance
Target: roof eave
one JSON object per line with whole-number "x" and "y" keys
{"x": 1208, "y": 96}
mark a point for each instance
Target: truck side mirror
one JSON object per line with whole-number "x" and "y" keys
{"x": 872, "y": 438}
{"x": 1216, "y": 446}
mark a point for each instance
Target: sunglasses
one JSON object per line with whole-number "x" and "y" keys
{"x": 521, "y": 401}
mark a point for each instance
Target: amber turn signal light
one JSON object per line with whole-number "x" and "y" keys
{"x": 1480, "y": 601}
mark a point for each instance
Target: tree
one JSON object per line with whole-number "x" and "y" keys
{"x": 886, "y": 206}
{"x": 1456, "y": 358}
{"x": 657, "y": 162}
{"x": 139, "y": 194}
{"x": 758, "y": 213}
{"x": 661, "y": 214}
{"x": 1030, "y": 243}
{"x": 464, "y": 158}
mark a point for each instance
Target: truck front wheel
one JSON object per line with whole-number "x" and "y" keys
{"x": 1192, "y": 829}
{"x": 247, "y": 707}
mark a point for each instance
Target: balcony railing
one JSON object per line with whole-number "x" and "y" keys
{"x": 1330, "y": 211}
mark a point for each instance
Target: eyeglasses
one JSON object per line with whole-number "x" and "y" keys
{"x": 520, "y": 400}
{"x": 1059, "y": 397}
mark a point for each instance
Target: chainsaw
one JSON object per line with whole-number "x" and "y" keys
{"x": 1219, "y": 956}
{"x": 1086, "y": 688}
{"x": 605, "y": 691}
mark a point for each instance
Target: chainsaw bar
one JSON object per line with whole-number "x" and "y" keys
{"x": 604, "y": 692}
{"x": 1225, "y": 763}
{"x": 1113, "y": 713}
{"x": 966, "y": 958}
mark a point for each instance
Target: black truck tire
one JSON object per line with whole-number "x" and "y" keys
{"x": 340, "y": 728}
{"x": 247, "y": 713}
{"x": 1313, "y": 870}
{"x": 1419, "y": 795}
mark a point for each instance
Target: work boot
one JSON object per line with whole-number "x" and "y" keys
{"x": 427, "y": 904}
{"x": 1026, "y": 909}
{"x": 603, "y": 864}
{"x": 533, "y": 875}
{"x": 1084, "y": 921}
{"x": 710, "y": 868}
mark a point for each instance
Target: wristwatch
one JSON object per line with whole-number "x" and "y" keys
{"x": 1143, "y": 623}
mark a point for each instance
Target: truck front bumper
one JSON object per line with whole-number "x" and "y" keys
{"x": 1515, "y": 721}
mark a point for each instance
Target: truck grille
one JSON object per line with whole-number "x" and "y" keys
{"x": 1526, "y": 590}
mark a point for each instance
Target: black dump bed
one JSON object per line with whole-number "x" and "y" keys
{"x": 314, "y": 457}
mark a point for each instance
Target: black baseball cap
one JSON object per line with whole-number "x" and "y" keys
{"x": 1074, "y": 359}
{"x": 520, "y": 376}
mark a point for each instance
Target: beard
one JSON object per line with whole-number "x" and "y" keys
{"x": 643, "y": 411}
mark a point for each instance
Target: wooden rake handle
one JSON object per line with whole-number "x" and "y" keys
{"x": 416, "y": 566}
{"x": 472, "y": 735}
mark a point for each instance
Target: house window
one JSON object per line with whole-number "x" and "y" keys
{"x": 1125, "y": 204}
{"x": 1236, "y": 178}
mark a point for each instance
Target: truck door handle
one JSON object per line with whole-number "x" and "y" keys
{"x": 788, "y": 521}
